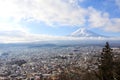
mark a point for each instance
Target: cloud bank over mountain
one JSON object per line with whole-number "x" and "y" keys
{"x": 79, "y": 35}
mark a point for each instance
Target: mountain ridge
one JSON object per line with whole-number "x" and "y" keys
{"x": 83, "y": 32}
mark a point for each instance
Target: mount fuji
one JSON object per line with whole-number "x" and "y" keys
{"x": 83, "y": 32}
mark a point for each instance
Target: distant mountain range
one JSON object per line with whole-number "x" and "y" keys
{"x": 83, "y": 32}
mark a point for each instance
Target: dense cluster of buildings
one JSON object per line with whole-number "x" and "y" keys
{"x": 48, "y": 68}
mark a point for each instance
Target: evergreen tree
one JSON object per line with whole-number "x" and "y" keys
{"x": 106, "y": 63}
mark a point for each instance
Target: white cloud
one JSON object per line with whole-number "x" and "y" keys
{"x": 39, "y": 37}
{"x": 10, "y": 26}
{"x": 60, "y": 12}
{"x": 98, "y": 19}
{"x": 11, "y": 31}
{"x": 49, "y": 11}
{"x": 113, "y": 25}
{"x": 117, "y": 3}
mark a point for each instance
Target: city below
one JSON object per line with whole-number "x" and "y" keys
{"x": 50, "y": 61}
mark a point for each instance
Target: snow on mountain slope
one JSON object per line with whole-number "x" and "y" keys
{"x": 82, "y": 32}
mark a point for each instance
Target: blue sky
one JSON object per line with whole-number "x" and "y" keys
{"x": 53, "y": 19}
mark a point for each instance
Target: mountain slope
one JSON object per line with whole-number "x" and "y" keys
{"x": 82, "y": 32}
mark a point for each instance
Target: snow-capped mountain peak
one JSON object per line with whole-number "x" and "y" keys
{"x": 83, "y": 32}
